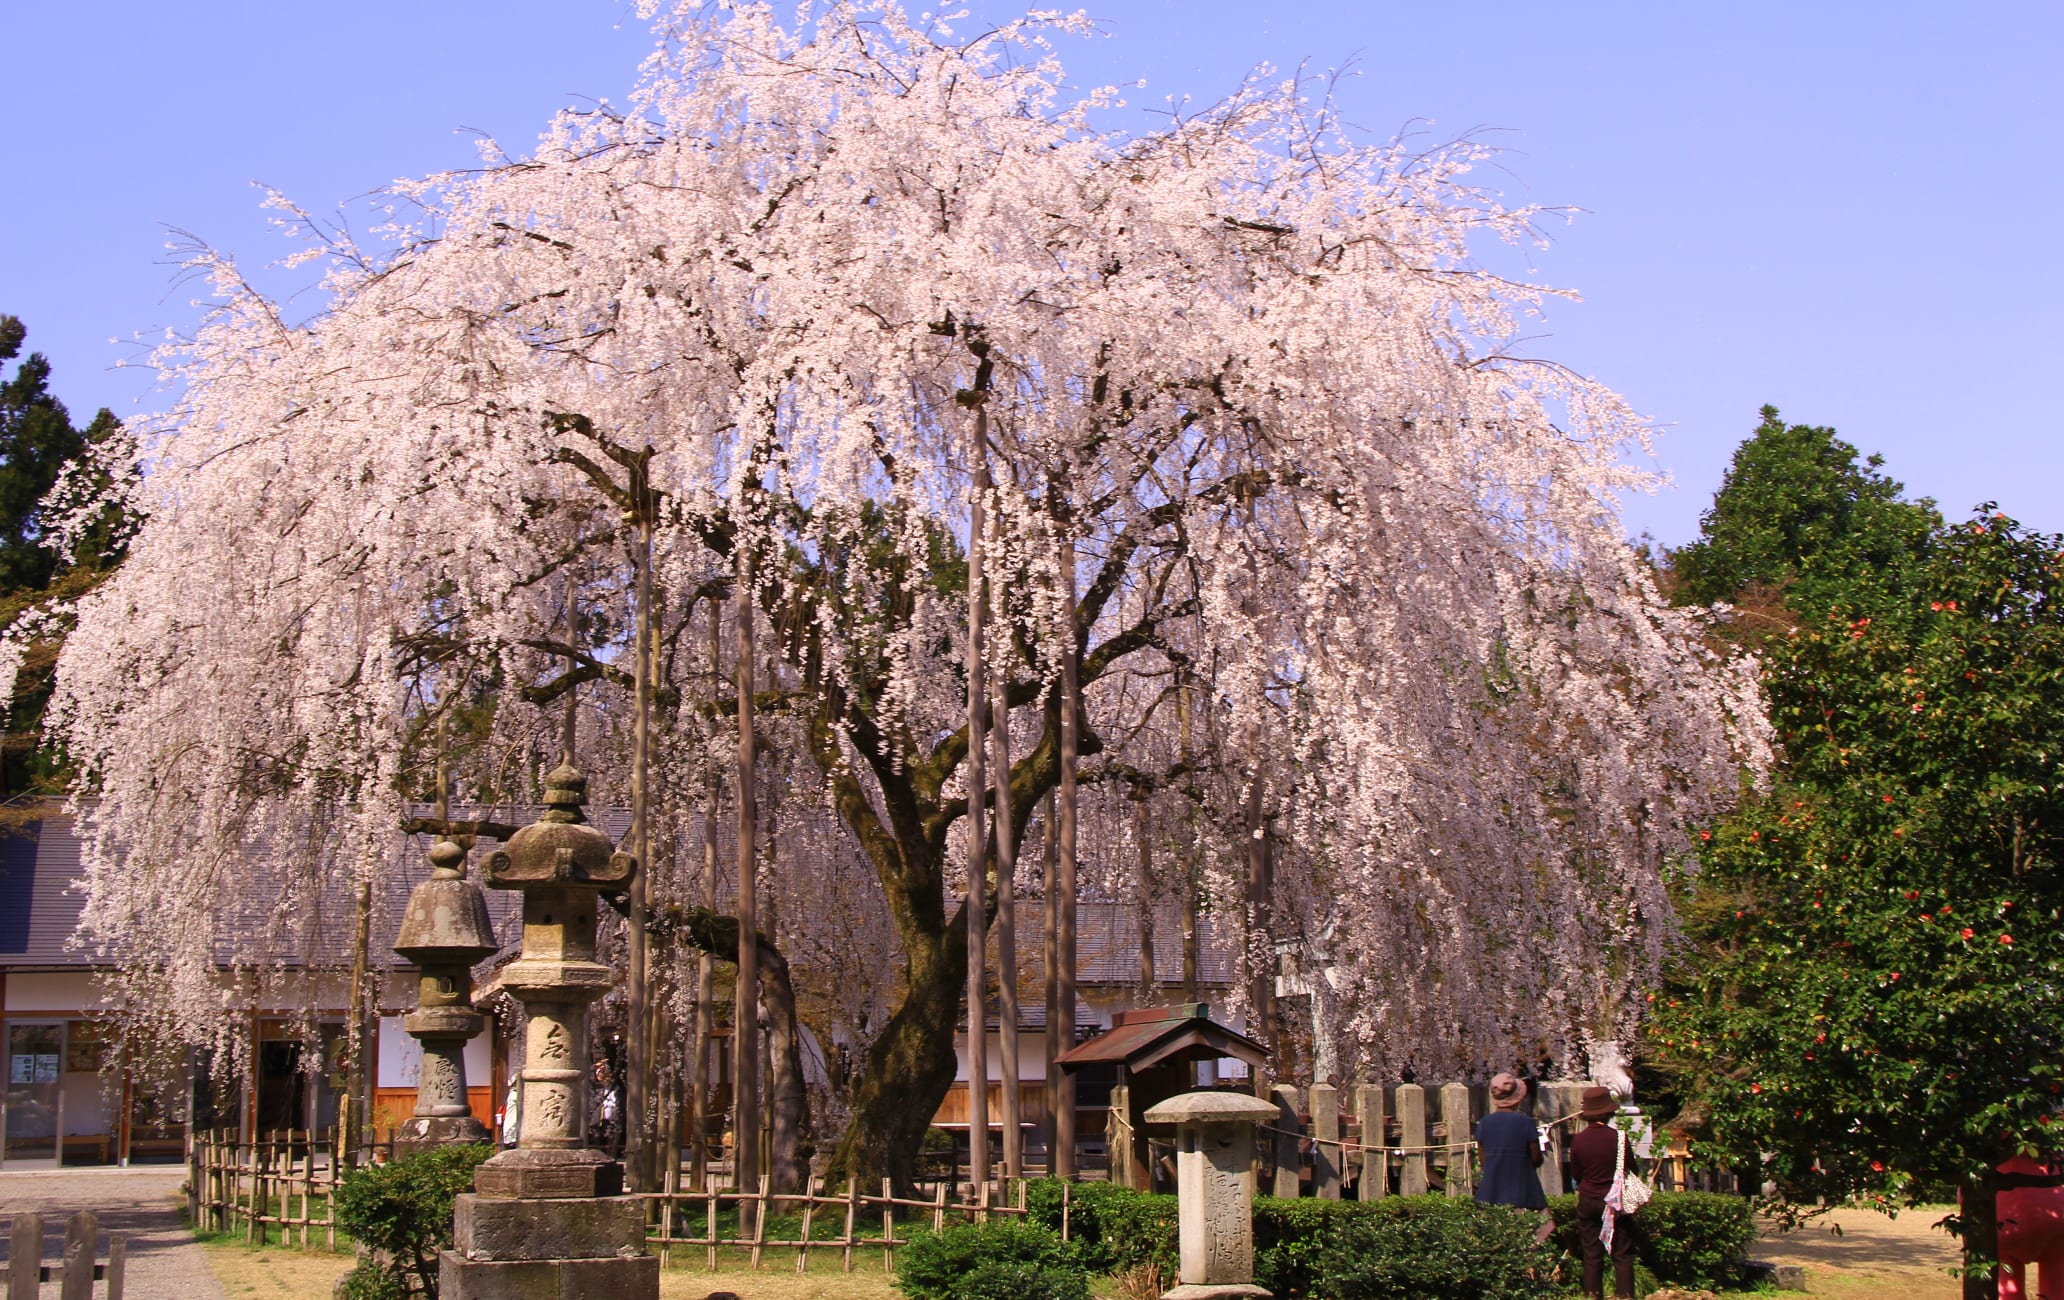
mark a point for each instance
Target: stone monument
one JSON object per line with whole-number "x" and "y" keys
{"x": 443, "y": 933}
{"x": 1214, "y": 1188}
{"x": 547, "y": 1221}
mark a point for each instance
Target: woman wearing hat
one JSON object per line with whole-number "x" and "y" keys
{"x": 1511, "y": 1147}
{"x": 1595, "y": 1161}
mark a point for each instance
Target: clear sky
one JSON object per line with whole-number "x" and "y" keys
{"x": 1836, "y": 207}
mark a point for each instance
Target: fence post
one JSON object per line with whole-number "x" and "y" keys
{"x": 25, "y": 1257}
{"x": 852, "y": 1213}
{"x": 1454, "y": 1103}
{"x": 1554, "y": 1104}
{"x": 1375, "y": 1181}
{"x": 117, "y": 1263}
{"x": 1411, "y": 1115}
{"x": 1286, "y": 1135}
{"x": 811, "y": 1189}
{"x": 81, "y": 1234}
{"x": 1326, "y": 1149}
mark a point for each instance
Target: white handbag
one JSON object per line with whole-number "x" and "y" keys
{"x": 1632, "y": 1190}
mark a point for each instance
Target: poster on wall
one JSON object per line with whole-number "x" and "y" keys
{"x": 46, "y": 1068}
{"x": 21, "y": 1069}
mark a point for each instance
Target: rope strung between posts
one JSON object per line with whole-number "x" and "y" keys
{"x": 1346, "y": 1145}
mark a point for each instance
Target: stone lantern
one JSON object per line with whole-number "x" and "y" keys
{"x": 548, "y": 1219}
{"x": 443, "y": 933}
{"x": 1214, "y": 1188}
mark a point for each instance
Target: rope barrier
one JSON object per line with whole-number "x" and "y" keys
{"x": 1346, "y": 1145}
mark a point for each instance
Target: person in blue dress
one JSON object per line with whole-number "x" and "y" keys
{"x": 1510, "y": 1143}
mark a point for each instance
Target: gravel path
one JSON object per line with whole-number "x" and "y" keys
{"x": 164, "y": 1261}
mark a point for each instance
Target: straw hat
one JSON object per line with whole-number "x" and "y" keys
{"x": 1508, "y": 1091}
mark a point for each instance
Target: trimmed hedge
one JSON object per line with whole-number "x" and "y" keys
{"x": 1461, "y": 1251}
{"x": 1003, "y": 1259}
{"x": 1111, "y": 1228}
{"x": 1695, "y": 1239}
{"x": 1308, "y": 1248}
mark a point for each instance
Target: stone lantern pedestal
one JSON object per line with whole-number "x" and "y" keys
{"x": 1214, "y": 1187}
{"x": 547, "y": 1221}
{"x": 443, "y": 933}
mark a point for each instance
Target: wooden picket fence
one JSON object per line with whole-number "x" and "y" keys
{"x": 817, "y": 1218}
{"x": 78, "y": 1271}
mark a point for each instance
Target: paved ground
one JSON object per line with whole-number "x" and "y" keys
{"x": 164, "y": 1261}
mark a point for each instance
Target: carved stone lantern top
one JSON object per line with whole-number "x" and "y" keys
{"x": 560, "y": 848}
{"x": 446, "y": 922}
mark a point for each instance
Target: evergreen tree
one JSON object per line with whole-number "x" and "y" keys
{"x": 37, "y": 440}
{"x": 1799, "y": 528}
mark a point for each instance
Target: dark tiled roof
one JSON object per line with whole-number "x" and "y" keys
{"x": 39, "y": 909}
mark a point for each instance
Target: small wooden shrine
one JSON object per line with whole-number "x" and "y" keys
{"x": 1156, "y": 1051}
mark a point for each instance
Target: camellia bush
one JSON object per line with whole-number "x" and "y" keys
{"x": 1873, "y": 1003}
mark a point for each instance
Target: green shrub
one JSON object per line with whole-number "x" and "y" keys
{"x": 1290, "y": 1234}
{"x": 939, "y": 1265}
{"x": 1459, "y": 1251}
{"x": 402, "y": 1211}
{"x": 1694, "y": 1239}
{"x": 1001, "y": 1280}
{"x": 1111, "y": 1228}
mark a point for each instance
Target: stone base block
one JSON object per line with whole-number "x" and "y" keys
{"x": 547, "y": 1279}
{"x": 549, "y": 1175}
{"x": 420, "y": 1131}
{"x": 610, "y": 1227}
{"x": 1216, "y": 1291}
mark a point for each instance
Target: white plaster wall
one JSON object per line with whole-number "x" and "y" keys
{"x": 36, "y": 991}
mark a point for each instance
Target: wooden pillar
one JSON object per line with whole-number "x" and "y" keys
{"x": 1375, "y": 1180}
{"x": 1454, "y": 1100}
{"x": 1287, "y": 1128}
{"x": 1326, "y": 1151}
{"x": 1118, "y": 1136}
{"x": 1411, "y": 1114}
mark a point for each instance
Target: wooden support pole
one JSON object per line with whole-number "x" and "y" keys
{"x": 1287, "y": 1128}
{"x": 976, "y": 910}
{"x": 1411, "y": 1114}
{"x": 745, "y": 1038}
{"x": 1063, "y": 1157}
{"x": 1375, "y": 1180}
{"x": 1326, "y": 1151}
{"x": 117, "y": 1263}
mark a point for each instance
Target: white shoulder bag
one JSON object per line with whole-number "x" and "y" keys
{"x": 1630, "y": 1191}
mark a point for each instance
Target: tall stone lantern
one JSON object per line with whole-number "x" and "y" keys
{"x": 1214, "y": 1189}
{"x": 443, "y": 933}
{"x": 548, "y": 1220}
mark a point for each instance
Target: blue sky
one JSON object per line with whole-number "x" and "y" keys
{"x": 1838, "y": 208}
